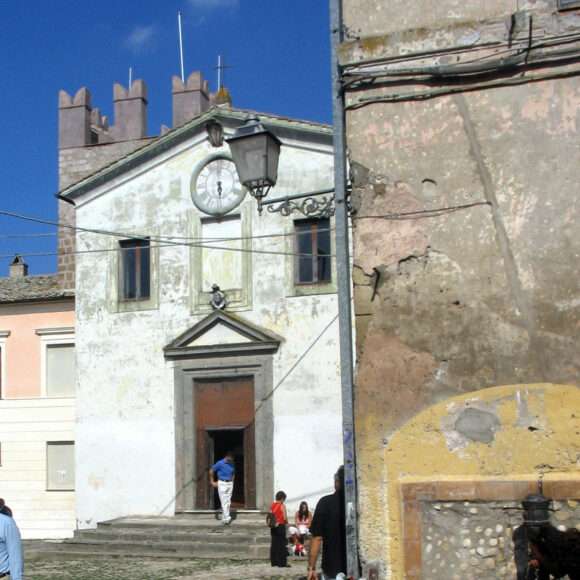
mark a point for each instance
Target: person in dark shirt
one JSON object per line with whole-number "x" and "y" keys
{"x": 329, "y": 529}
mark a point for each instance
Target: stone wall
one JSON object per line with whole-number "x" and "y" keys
{"x": 473, "y": 540}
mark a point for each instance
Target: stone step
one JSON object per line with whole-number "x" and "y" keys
{"x": 221, "y": 536}
{"x": 204, "y": 520}
{"x": 150, "y": 549}
{"x": 196, "y": 535}
{"x": 209, "y": 525}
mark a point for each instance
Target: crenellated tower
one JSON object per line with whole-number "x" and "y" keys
{"x": 87, "y": 142}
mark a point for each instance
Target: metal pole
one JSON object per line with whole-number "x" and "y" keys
{"x": 180, "y": 46}
{"x": 344, "y": 297}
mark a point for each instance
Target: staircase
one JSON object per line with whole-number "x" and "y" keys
{"x": 193, "y": 535}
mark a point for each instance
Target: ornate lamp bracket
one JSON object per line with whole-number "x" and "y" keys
{"x": 317, "y": 204}
{"x": 321, "y": 207}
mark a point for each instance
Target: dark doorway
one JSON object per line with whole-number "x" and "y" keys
{"x": 230, "y": 440}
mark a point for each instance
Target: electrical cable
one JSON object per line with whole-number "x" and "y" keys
{"x": 21, "y": 236}
{"x": 161, "y": 242}
{"x": 139, "y": 235}
{"x": 400, "y": 216}
{"x": 522, "y": 59}
{"x": 423, "y": 213}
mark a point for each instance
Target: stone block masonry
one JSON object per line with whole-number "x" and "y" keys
{"x": 470, "y": 539}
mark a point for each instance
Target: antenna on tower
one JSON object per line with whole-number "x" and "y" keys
{"x": 221, "y": 69}
{"x": 130, "y": 76}
{"x": 180, "y": 45}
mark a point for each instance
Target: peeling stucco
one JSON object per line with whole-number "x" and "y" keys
{"x": 465, "y": 254}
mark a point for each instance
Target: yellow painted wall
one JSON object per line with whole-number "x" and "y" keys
{"x": 428, "y": 448}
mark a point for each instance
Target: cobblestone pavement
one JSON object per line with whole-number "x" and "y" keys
{"x": 140, "y": 569}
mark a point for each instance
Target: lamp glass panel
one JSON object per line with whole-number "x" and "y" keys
{"x": 273, "y": 159}
{"x": 248, "y": 154}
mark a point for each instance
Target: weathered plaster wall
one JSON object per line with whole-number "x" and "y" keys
{"x": 465, "y": 297}
{"x": 371, "y": 18}
{"x": 474, "y": 297}
{"x": 125, "y": 434}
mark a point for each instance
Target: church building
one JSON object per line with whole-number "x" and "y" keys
{"x": 202, "y": 325}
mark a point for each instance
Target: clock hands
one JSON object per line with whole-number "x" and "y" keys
{"x": 217, "y": 188}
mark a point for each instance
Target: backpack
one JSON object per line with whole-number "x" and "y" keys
{"x": 270, "y": 520}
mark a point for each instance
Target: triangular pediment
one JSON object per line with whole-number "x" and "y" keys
{"x": 221, "y": 334}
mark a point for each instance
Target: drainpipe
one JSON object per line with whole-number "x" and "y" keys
{"x": 344, "y": 296}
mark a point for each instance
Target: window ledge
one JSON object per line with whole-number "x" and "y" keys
{"x": 136, "y": 305}
{"x": 54, "y": 331}
{"x": 312, "y": 289}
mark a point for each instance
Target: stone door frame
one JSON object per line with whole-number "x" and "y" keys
{"x": 258, "y": 367}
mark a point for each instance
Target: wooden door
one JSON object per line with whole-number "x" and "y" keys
{"x": 250, "y": 466}
{"x": 203, "y": 463}
{"x": 224, "y": 404}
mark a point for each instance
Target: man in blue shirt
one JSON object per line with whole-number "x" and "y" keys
{"x": 224, "y": 471}
{"x": 10, "y": 545}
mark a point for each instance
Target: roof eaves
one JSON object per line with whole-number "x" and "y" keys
{"x": 64, "y": 296}
{"x": 176, "y": 136}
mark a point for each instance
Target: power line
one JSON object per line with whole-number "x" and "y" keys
{"x": 18, "y": 236}
{"x": 172, "y": 245}
{"x": 423, "y": 213}
{"x": 161, "y": 241}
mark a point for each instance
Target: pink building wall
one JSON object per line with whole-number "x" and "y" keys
{"x": 23, "y": 345}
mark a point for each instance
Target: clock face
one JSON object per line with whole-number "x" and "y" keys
{"x": 215, "y": 188}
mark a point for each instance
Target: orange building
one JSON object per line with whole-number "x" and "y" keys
{"x": 37, "y": 402}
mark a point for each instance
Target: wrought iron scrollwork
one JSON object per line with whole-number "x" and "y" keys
{"x": 319, "y": 207}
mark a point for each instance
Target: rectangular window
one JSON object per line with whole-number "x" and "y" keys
{"x": 60, "y": 466}
{"x": 60, "y": 370}
{"x": 313, "y": 247}
{"x": 568, "y": 4}
{"x": 135, "y": 282}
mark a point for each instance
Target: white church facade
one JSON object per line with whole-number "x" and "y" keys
{"x": 203, "y": 326}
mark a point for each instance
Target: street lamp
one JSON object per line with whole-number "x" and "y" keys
{"x": 255, "y": 152}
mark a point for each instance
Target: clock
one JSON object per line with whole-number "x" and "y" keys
{"x": 215, "y": 187}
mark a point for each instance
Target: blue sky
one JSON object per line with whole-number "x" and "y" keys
{"x": 278, "y": 51}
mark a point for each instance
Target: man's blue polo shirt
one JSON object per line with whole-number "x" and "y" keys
{"x": 224, "y": 470}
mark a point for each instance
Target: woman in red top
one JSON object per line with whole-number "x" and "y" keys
{"x": 278, "y": 551}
